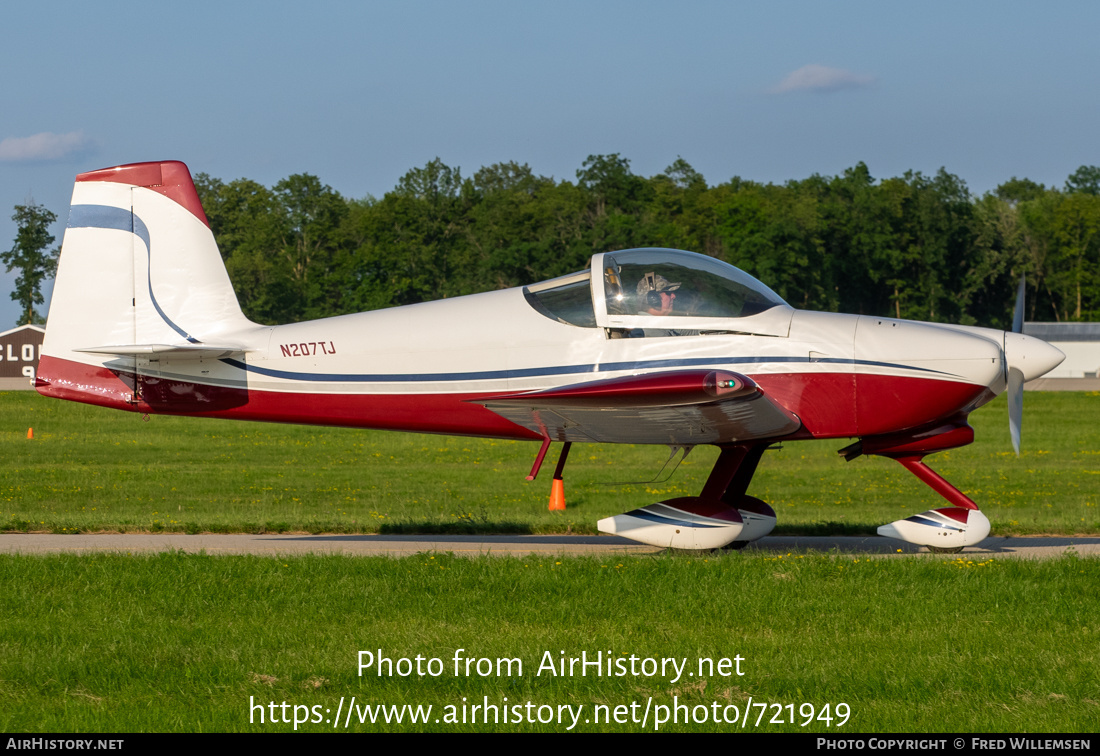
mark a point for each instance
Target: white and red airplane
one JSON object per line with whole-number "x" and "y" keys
{"x": 646, "y": 346}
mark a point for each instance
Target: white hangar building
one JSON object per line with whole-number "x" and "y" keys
{"x": 1081, "y": 344}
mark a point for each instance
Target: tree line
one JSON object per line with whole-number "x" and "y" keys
{"x": 915, "y": 246}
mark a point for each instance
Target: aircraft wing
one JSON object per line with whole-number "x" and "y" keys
{"x": 679, "y": 407}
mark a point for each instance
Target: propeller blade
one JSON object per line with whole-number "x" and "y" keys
{"x": 1015, "y": 375}
{"x": 1018, "y": 313}
{"x": 1015, "y": 406}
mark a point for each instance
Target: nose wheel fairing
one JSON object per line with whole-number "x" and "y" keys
{"x": 948, "y": 529}
{"x": 944, "y": 530}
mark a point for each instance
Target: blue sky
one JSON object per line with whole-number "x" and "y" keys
{"x": 358, "y": 93}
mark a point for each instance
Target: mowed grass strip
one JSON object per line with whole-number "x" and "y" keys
{"x": 177, "y": 642}
{"x": 90, "y": 469}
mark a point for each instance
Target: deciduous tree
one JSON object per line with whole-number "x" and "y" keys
{"x": 32, "y": 257}
{"x": 1085, "y": 180}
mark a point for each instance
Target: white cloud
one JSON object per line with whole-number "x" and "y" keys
{"x": 817, "y": 78}
{"x": 43, "y": 147}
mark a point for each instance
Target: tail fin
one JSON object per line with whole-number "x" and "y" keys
{"x": 139, "y": 273}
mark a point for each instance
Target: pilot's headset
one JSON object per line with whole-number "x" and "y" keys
{"x": 652, "y": 296}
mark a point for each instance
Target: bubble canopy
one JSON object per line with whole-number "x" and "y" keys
{"x": 654, "y": 288}
{"x": 670, "y": 288}
{"x": 702, "y": 286}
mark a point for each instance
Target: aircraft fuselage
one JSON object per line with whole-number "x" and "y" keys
{"x": 415, "y": 368}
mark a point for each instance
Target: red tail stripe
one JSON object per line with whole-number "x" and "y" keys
{"x": 170, "y": 178}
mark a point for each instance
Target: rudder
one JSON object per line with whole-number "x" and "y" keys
{"x": 139, "y": 270}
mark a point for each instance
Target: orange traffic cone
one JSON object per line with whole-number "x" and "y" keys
{"x": 30, "y": 433}
{"x": 557, "y": 495}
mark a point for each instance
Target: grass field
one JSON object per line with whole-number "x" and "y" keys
{"x": 90, "y": 469}
{"x": 177, "y": 642}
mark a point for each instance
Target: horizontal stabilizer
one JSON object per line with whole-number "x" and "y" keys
{"x": 175, "y": 351}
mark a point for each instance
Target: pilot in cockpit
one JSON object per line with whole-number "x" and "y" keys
{"x": 656, "y": 295}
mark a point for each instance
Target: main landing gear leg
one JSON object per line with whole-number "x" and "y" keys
{"x": 757, "y": 516}
{"x": 723, "y": 514}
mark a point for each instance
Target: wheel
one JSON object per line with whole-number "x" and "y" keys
{"x": 943, "y": 550}
{"x": 734, "y": 546}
